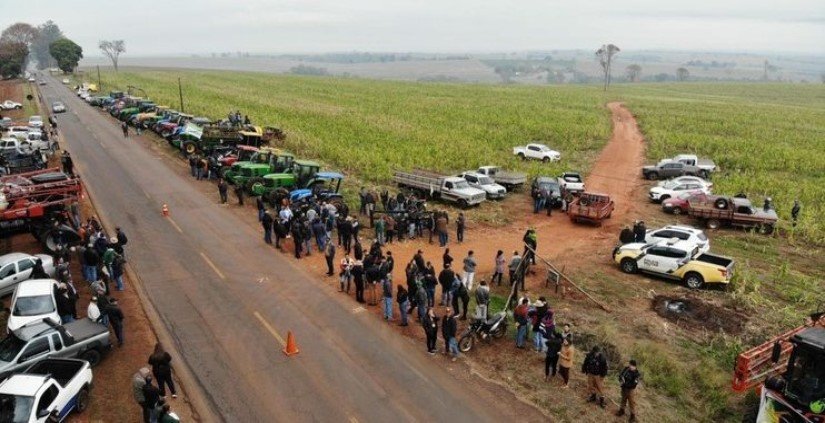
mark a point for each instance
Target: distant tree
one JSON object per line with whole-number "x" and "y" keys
{"x": 12, "y": 58}
{"x": 19, "y": 32}
{"x": 308, "y": 70}
{"x": 47, "y": 33}
{"x": 66, "y": 53}
{"x": 682, "y": 74}
{"x": 661, "y": 77}
{"x": 633, "y": 71}
{"x": 605, "y": 55}
{"x": 506, "y": 73}
{"x": 112, "y": 49}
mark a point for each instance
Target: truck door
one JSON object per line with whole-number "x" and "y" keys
{"x": 533, "y": 151}
{"x": 47, "y": 402}
{"x": 447, "y": 191}
{"x": 656, "y": 260}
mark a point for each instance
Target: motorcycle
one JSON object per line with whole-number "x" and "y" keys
{"x": 495, "y": 327}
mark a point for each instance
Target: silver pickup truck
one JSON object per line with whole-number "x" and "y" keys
{"x": 36, "y": 341}
{"x": 432, "y": 185}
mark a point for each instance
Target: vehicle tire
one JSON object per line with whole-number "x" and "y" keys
{"x": 189, "y": 147}
{"x": 522, "y": 156}
{"x": 82, "y": 400}
{"x": 466, "y": 343}
{"x": 703, "y": 174}
{"x": 663, "y": 198}
{"x": 713, "y": 224}
{"x": 765, "y": 229}
{"x": 250, "y": 183}
{"x": 92, "y": 356}
{"x": 463, "y": 204}
{"x": 677, "y": 210}
{"x": 652, "y": 176}
{"x": 545, "y": 159}
{"x": 694, "y": 280}
{"x": 500, "y": 331}
{"x": 721, "y": 204}
{"x": 629, "y": 265}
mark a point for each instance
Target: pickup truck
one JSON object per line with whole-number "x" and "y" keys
{"x": 433, "y": 185}
{"x": 10, "y": 146}
{"x": 10, "y": 105}
{"x": 538, "y": 152}
{"x": 716, "y": 211}
{"x": 36, "y": 341}
{"x": 509, "y": 180}
{"x": 571, "y": 182}
{"x": 669, "y": 168}
{"x": 485, "y": 183}
{"x": 590, "y": 207}
{"x": 51, "y": 385}
{"x": 707, "y": 166}
{"x": 675, "y": 259}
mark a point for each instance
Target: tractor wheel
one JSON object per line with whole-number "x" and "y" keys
{"x": 629, "y": 265}
{"x": 251, "y": 182}
{"x": 189, "y": 147}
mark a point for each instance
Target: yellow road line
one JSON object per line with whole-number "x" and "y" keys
{"x": 270, "y": 329}
{"x": 212, "y": 265}
{"x": 175, "y": 225}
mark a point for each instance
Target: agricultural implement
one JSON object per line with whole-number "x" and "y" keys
{"x": 36, "y": 201}
{"x": 210, "y": 136}
{"x": 789, "y": 371}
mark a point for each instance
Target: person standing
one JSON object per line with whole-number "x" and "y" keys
{"x": 441, "y": 228}
{"x": 460, "y": 224}
{"x": 520, "y": 315}
{"x": 90, "y": 259}
{"x": 239, "y": 194}
{"x": 447, "y": 259}
{"x": 402, "y": 297}
{"x": 116, "y": 320}
{"x": 362, "y": 197}
{"x": 566, "y": 356}
{"x": 482, "y": 300}
{"x": 297, "y": 238}
{"x": 513, "y": 267}
{"x": 222, "y": 190}
{"x": 449, "y": 328}
{"x": 469, "y": 271}
{"x": 595, "y": 367}
{"x": 379, "y": 230}
{"x": 499, "y": 267}
{"x": 445, "y": 279}
{"x": 125, "y": 128}
{"x": 463, "y": 295}
{"x": 639, "y": 231}
{"x": 551, "y": 358}
{"x": 627, "y": 236}
{"x": 138, "y": 382}
{"x": 93, "y": 311}
{"x": 795, "y": 212}
{"x": 266, "y": 222}
{"x": 537, "y": 317}
{"x": 152, "y": 396}
{"x": 358, "y": 277}
{"x": 430, "y": 324}
{"x": 259, "y": 204}
{"x": 386, "y": 287}
{"x": 161, "y": 363}
{"x": 629, "y": 379}
{"x": 329, "y": 256}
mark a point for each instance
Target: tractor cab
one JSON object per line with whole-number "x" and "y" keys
{"x": 805, "y": 376}
{"x": 304, "y": 171}
{"x": 324, "y": 186}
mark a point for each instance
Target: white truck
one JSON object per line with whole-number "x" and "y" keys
{"x": 485, "y": 183}
{"x": 433, "y": 185}
{"x": 706, "y": 166}
{"x": 538, "y": 152}
{"x": 10, "y": 105}
{"x": 571, "y": 182}
{"x": 54, "y": 385}
{"x": 509, "y": 180}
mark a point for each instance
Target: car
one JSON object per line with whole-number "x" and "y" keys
{"x": 675, "y": 259}
{"x": 35, "y": 121}
{"x": 674, "y": 188}
{"x": 17, "y": 267}
{"x": 485, "y": 183}
{"x": 58, "y": 107}
{"x": 19, "y": 132}
{"x": 571, "y": 182}
{"x": 679, "y": 203}
{"x": 31, "y": 79}
{"x": 33, "y": 300}
{"x": 537, "y": 151}
{"x": 6, "y": 122}
{"x": 52, "y": 384}
{"x": 669, "y": 168}
{"x": 686, "y": 180}
{"x": 11, "y": 105}
{"x": 684, "y": 233}
{"x": 41, "y": 82}
{"x": 66, "y": 81}
{"x": 551, "y": 185}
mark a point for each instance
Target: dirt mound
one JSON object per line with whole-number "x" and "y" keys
{"x": 586, "y": 341}
{"x": 693, "y": 313}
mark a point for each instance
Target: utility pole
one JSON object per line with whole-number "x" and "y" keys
{"x": 99, "y": 85}
{"x": 180, "y": 92}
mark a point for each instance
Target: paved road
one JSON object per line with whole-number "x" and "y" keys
{"x": 226, "y": 300}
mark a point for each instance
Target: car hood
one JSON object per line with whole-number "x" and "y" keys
{"x": 492, "y": 188}
{"x": 469, "y": 191}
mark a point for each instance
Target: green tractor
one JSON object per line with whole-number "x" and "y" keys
{"x": 212, "y": 135}
{"x": 269, "y": 184}
{"x": 249, "y": 174}
{"x": 279, "y": 161}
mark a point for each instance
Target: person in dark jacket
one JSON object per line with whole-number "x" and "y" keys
{"x": 445, "y": 279}
{"x": 430, "y": 324}
{"x": 402, "y": 297}
{"x": 266, "y": 222}
{"x": 358, "y": 276}
{"x": 447, "y": 258}
{"x": 419, "y": 260}
{"x": 358, "y": 250}
{"x": 463, "y": 295}
{"x": 595, "y": 367}
{"x": 297, "y": 238}
{"x": 151, "y": 396}
{"x": 639, "y": 231}
{"x": 223, "y": 188}
{"x": 628, "y": 380}
{"x": 38, "y": 272}
{"x": 449, "y": 329}
{"x": 627, "y": 236}
{"x": 161, "y": 363}
{"x": 64, "y": 305}
{"x": 239, "y": 194}
{"x": 551, "y": 359}
{"x": 116, "y": 320}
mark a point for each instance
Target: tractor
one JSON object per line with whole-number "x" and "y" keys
{"x": 279, "y": 161}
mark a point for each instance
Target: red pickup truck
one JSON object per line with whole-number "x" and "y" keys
{"x": 590, "y": 207}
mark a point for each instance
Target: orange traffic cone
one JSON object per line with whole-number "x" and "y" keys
{"x": 165, "y": 210}
{"x": 291, "y": 347}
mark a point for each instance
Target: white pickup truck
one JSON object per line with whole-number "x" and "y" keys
{"x": 538, "y": 152}
{"x": 53, "y": 385}
{"x": 706, "y": 166}
{"x": 571, "y": 182}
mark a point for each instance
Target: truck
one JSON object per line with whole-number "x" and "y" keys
{"x": 706, "y": 166}
{"x": 590, "y": 207}
{"x": 36, "y": 341}
{"x": 717, "y": 211}
{"x": 670, "y": 168}
{"x": 509, "y": 180}
{"x": 485, "y": 183}
{"x": 675, "y": 259}
{"x": 213, "y": 135}
{"x": 54, "y": 385}
{"x": 538, "y": 152}
{"x": 433, "y": 185}
{"x": 571, "y": 183}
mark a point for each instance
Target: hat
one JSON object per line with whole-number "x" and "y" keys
{"x": 94, "y": 299}
{"x": 113, "y": 240}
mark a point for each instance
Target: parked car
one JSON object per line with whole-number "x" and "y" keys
{"x": 717, "y": 211}
{"x": 538, "y": 152}
{"x": 6, "y": 122}
{"x": 48, "y": 385}
{"x": 41, "y": 82}
{"x": 10, "y": 146}
{"x": 550, "y": 185}
{"x": 673, "y": 188}
{"x": 571, "y": 182}
{"x": 33, "y": 301}
{"x": 35, "y": 121}
{"x": 19, "y": 132}
{"x": 669, "y": 168}
{"x": 66, "y": 81}
{"x": 31, "y": 79}
{"x": 680, "y": 232}
{"x": 17, "y": 267}
{"x": 447, "y": 188}
{"x": 58, "y": 107}
{"x": 679, "y": 203}
{"x": 687, "y": 180}
{"x": 11, "y": 105}
{"x": 678, "y": 260}
{"x": 509, "y": 180}
{"x": 485, "y": 183}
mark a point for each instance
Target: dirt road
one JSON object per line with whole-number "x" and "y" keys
{"x": 227, "y": 304}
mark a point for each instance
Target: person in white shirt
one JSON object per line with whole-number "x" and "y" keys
{"x": 93, "y": 312}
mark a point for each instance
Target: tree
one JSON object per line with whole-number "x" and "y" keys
{"x": 19, "y": 32}
{"x": 112, "y": 50}
{"x": 605, "y": 55}
{"x": 67, "y": 54}
{"x": 48, "y": 33}
{"x": 634, "y": 71}
{"x": 12, "y": 58}
{"x": 682, "y": 74}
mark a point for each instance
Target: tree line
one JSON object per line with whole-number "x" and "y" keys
{"x": 45, "y": 44}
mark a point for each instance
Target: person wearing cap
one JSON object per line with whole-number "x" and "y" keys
{"x": 640, "y": 231}
{"x": 595, "y": 367}
{"x": 629, "y": 379}
{"x": 626, "y": 236}
{"x": 537, "y": 317}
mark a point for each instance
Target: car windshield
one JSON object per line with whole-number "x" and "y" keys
{"x": 33, "y": 306}
{"x": 15, "y": 408}
{"x": 544, "y": 148}
{"x": 702, "y": 236}
{"x": 10, "y": 347}
{"x": 461, "y": 185}
{"x": 483, "y": 180}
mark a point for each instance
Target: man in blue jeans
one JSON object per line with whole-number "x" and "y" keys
{"x": 520, "y": 314}
{"x": 386, "y": 286}
{"x": 449, "y": 328}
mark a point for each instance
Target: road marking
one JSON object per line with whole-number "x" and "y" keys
{"x": 174, "y": 224}
{"x": 270, "y": 329}
{"x": 212, "y": 265}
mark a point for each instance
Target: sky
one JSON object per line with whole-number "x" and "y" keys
{"x": 184, "y": 27}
